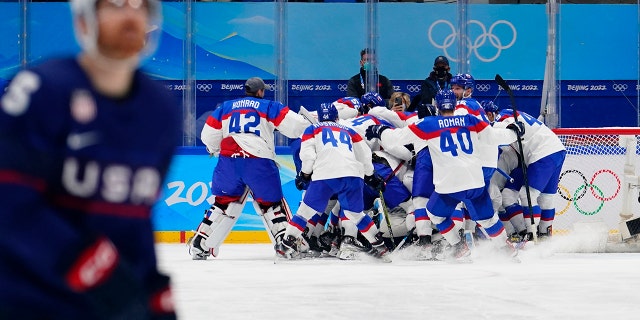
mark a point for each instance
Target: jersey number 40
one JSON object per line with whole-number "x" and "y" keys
{"x": 463, "y": 137}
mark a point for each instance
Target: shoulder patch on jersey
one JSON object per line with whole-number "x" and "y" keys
{"x": 83, "y": 106}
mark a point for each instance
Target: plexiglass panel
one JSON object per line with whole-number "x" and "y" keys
{"x": 575, "y": 63}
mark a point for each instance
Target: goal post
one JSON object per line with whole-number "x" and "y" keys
{"x": 599, "y": 181}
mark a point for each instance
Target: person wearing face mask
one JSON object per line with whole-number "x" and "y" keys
{"x": 438, "y": 79}
{"x": 357, "y": 85}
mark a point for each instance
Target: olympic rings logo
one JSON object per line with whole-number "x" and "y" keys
{"x": 204, "y": 87}
{"x": 414, "y": 88}
{"x": 483, "y": 87}
{"x": 620, "y": 87}
{"x": 477, "y": 42}
{"x": 342, "y": 87}
{"x": 581, "y": 191}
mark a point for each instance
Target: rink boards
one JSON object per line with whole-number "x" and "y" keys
{"x": 591, "y": 190}
{"x": 186, "y": 195}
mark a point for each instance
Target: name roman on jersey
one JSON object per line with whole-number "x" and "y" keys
{"x": 451, "y": 122}
{"x": 245, "y": 103}
{"x": 116, "y": 183}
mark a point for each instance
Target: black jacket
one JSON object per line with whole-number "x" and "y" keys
{"x": 430, "y": 87}
{"x": 356, "y": 86}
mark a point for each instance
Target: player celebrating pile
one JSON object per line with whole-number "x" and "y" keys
{"x": 334, "y": 160}
{"x": 453, "y": 143}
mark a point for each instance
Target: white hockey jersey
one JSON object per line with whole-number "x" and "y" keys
{"x": 538, "y": 140}
{"x": 360, "y": 125}
{"x": 507, "y": 162}
{"x": 453, "y": 144}
{"x": 330, "y": 150}
{"x": 488, "y": 152}
{"x": 397, "y": 119}
{"x": 250, "y": 122}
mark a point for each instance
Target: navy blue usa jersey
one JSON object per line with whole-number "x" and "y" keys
{"x": 74, "y": 165}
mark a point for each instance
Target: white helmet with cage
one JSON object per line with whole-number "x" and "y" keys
{"x": 85, "y": 10}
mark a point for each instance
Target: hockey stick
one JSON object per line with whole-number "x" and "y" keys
{"x": 505, "y": 175}
{"x": 393, "y": 173}
{"x": 385, "y": 212}
{"x": 406, "y": 237}
{"x": 501, "y": 82}
{"x": 307, "y": 115}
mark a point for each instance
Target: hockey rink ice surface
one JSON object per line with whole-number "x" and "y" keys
{"x": 245, "y": 283}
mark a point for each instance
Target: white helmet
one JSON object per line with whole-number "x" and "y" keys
{"x": 86, "y": 10}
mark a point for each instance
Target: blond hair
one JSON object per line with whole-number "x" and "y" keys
{"x": 406, "y": 99}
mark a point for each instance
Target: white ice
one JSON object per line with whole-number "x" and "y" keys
{"x": 245, "y": 283}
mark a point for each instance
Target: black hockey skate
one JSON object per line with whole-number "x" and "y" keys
{"x": 287, "y": 248}
{"x": 196, "y": 249}
{"x": 379, "y": 250}
{"x": 329, "y": 241}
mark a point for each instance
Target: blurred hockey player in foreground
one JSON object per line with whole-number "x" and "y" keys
{"x": 240, "y": 133}
{"x": 334, "y": 160}
{"x": 85, "y": 144}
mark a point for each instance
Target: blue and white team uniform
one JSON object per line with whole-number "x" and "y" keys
{"x": 488, "y": 152}
{"x": 544, "y": 155}
{"x": 389, "y": 161}
{"x": 399, "y": 119}
{"x": 457, "y": 172}
{"x": 79, "y": 173}
{"x": 394, "y": 154}
{"x": 337, "y": 158}
{"x": 504, "y": 193}
{"x": 360, "y": 125}
{"x": 240, "y": 132}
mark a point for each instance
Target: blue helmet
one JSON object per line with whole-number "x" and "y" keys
{"x": 351, "y": 102}
{"x": 489, "y": 106}
{"x": 445, "y": 100}
{"x": 327, "y": 112}
{"x": 464, "y": 80}
{"x": 370, "y": 100}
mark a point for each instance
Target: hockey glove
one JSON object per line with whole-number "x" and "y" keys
{"x": 101, "y": 274}
{"x": 161, "y": 306}
{"x": 302, "y": 181}
{"x": 517, "y": 127}
{"x": 375, "y": 131}
{"x": 426, "y": 110}
{"x": 375, "y": 181}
